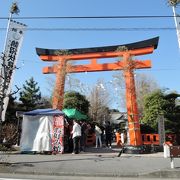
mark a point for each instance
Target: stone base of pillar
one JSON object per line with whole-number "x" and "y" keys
{"x": 136, "y": 149}
{"x": 143, "y": 149}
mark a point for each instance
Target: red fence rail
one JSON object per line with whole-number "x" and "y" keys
{"x": 149, "y": 139}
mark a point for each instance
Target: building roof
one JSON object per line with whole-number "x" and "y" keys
{"x": 118, "y": 117}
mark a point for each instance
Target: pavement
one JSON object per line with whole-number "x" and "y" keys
{"x": 101, "y": 162}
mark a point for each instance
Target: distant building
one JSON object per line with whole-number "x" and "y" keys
{"x": 120, "y": 122}
{"x": 118, "y": 117}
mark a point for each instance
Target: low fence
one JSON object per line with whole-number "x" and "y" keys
{"x": 90, "y": 139}
{"x": 148, "y": 139}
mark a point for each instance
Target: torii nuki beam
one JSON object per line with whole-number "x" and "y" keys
{"x": 93, "y": 54}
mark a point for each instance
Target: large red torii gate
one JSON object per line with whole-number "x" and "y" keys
{"x": 126, "y": 51}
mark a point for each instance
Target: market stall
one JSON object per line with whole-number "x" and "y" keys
{"x": 43, "y": 131}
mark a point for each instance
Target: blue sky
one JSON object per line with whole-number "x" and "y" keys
{"x": 165, "y": 59}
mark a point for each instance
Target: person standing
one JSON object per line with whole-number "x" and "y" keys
{"x": 83, "y": 136}
{"x": 98, "y": 133}
{"x": 108, "y": 132}
{"x": 122, "y": 138}
{"x": 76, "y": 135}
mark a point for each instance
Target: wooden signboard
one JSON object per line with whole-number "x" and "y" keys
{"x": 175, "y": 151}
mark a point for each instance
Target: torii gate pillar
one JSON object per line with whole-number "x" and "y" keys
{"x": 127, "y": 65}
{"x": 131, "y": 103}
{"x": 58, "y": 94}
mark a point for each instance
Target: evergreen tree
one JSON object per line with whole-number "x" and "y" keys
{"x": 172, "y": 114}
{"x": 159, "y": 103}
{"x": 75, "y": 100}
{"x": 153, "y": 107}
{"x": 30, "y": 96}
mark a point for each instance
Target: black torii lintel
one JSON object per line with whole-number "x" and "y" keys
{"x": 153, "y": 42}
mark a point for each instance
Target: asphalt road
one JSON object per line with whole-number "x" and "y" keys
{"x": 41, "y": 177}
{"x": 93, "y": 163}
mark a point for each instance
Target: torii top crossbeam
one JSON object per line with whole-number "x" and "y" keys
{"x": 126, "y": 51}
{"x": 80, "y": 51}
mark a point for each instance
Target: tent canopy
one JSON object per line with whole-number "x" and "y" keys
{"x": 74, "y": 114}
{"x": 46, "y": 112}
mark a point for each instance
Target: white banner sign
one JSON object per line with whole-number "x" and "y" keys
{"x": 12, "y": 47}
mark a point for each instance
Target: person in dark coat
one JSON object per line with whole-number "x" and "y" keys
{"x": 83, "y": 136}
{"x": 108, "y": 133}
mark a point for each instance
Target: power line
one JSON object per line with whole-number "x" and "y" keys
{"x": 91, "y": 17}
{"x": 101, "y": 29}
{"x": 162, "y": 69}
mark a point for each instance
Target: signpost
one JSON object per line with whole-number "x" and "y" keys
{"x": 161, "y": 130}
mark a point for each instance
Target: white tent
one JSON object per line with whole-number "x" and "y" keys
{"x": 37, "y": 130}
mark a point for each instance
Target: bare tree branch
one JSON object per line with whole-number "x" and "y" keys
{"x": 15, "y": 92}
